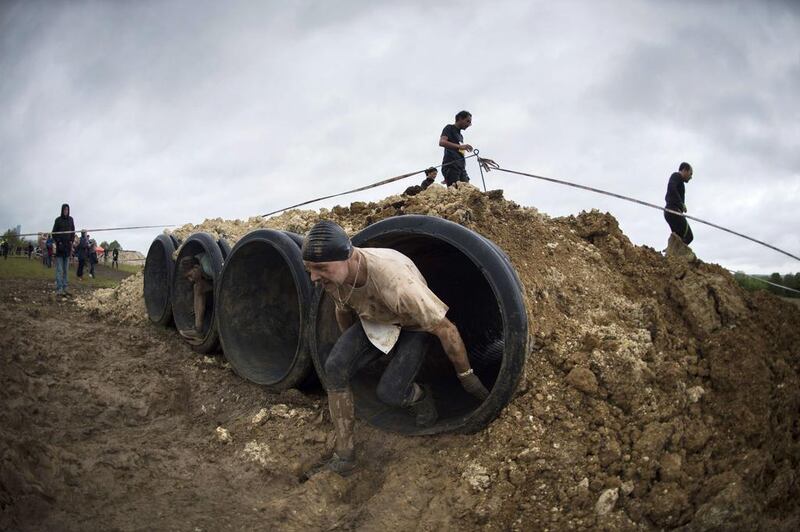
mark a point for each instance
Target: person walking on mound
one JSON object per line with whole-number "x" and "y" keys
{"x": 454, "y": 166}
{"x": 676, "y": 201}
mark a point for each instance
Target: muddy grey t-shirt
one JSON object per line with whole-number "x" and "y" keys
{"x": 394, "y": 296}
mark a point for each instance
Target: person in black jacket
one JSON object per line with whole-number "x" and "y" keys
{"x": 676, "y": 201}
{"x": 63, "y": 234}
{"x": 83, "y": 254}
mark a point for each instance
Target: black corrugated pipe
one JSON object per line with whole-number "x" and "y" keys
{"x": 476, "y": 280}
{"x": 263, "y": 299}
{"x": 183, "y": 294}
{"x": 159, "y": 269}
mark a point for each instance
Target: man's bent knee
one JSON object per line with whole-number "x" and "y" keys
{"x": 336, "y": 374}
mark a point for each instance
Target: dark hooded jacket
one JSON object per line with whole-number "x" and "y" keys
{"x": 676, "y": 193}
{"x": 64, "y": 240}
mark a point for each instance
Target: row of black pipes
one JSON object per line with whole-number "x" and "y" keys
{"x": 276, "y": 328}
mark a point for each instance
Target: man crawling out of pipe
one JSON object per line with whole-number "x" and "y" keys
{"x": 191, "y": 268}
{"x": 397, "y": 316}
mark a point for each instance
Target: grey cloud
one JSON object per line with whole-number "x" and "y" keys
{"x": 709, "y": 73}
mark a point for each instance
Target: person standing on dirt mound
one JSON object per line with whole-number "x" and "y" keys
{"x": 397, "y": 315}
{"x": 202, "y": 285}
{"x": 63, "y": 235}
{"x": 454, "y": 166}
{"x": 676, "y": 201}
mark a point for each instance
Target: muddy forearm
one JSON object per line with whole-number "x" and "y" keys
{"x": 453, "y": 345}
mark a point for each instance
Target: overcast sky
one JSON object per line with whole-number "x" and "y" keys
{"x": 160, "y": 112}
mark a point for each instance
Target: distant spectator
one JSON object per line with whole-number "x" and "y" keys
{"x": 48, "y": 251}
{"x": 40, "y": 239}
{"x": 64, "y": 232}
{"x": 82, "y": 253}
{"x": 115, "y": 258}
{"x": 4, "y": 246}
{"x": 92, "y": 256}
{"x": 105, "y": 256}
{"x": 30, "y": 251}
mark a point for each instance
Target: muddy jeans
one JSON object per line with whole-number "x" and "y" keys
{"x": 353, "y": 351}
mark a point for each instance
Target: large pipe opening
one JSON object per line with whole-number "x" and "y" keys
{"x": 159, "y": 268}
{"x": 207, "y": 250}
{"x": 262, "y": 309}
{"x": 475, "y": 279}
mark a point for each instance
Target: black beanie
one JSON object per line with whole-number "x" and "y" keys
{"x": 326, "y": 242}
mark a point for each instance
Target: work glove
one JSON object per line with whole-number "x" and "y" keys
{"x": 473, "y": 385}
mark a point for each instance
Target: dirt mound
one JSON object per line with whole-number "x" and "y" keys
{"x": 124, "y": 303}
{"x": 656, "y": 394}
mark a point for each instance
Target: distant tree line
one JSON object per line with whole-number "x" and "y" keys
{"x": 790, "y": 280}
{"x": 113, "y": 245}
{"x": 14, "y": 240}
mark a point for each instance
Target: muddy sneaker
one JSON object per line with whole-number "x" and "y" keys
{"x": 341, "y": 466}
{"x": 425, "y": 408}
{"x": 673, "y": 245}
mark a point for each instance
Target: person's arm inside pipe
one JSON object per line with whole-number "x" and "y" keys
{"x": 456, "y": 351}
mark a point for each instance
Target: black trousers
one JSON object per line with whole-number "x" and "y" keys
{"x": 353, "y": 351}
{"x": 454, "y": 173}
{"x": 680, "y": 227}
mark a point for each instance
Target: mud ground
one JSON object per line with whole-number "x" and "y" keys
{"x": 115, "y": 427}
